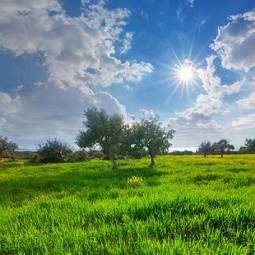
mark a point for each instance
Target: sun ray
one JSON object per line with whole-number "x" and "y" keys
{"x": 184, "y": 74}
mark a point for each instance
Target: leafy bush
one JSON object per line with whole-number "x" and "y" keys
{"x": 53, "y": 151}
{"x": 135, "y": 181}
{"x": 77, "y": 156}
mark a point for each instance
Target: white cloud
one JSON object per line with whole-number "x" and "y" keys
{"x": 41, "y": 112}
{"x": 246, "y": 121}
{"x": 212, "y": 83}
{"x": 126, "y": 43}
{"x": 247, "y": 102}
{"x": 79, "y": 51}
{"x": 235, "y": 42}
{"x": 6, "y": 105}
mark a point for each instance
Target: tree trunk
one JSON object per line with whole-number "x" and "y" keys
{"x": 204, "y": 155}
{"x": 114, "y": 164}
{"x": 152, "y": 161}
{"x": 221, "y": 154}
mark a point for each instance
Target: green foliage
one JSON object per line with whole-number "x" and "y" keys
{"x": 103, "y": 130}
{"x": 188, "y": 206}
{"x": 53, "y": 151}
{"x": 205, "y": 148}
{"x": 222, "y": 146}
{"x": 135, "y": 181}
{"x": 249, "y": 146}
{"x": 76, "y": 156}
{"x": 7, "y": 148}
{"x": 128, "y": 146}
{"x": 149, "y": 135}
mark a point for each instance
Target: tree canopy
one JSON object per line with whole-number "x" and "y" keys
{"x": 7, "y": 148}
{"x": 222, "y": 146}
{"x": 151, "y": 136}
{"x": 205, "y": 148}
{"x": 104, "y": 130}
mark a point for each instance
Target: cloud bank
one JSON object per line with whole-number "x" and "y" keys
{"x": 82, "y": 55}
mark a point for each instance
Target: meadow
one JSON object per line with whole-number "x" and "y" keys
{"x": 187, "y": 205}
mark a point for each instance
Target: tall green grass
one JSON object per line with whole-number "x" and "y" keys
{"x": 188, "y": 205}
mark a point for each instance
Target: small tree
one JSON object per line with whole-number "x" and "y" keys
{"x": 53, "y": 151}
{"x": 104, "y": 130}
{"x": 205, "y": 148}
{"x": 7, "y": 148}
{"x": 151, "y": 136}
{"x": 223, "y": 146}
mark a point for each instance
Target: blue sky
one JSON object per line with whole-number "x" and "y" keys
{"x": 58, "y": 58}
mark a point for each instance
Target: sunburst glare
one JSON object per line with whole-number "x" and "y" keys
{"x": 185, "y": 73}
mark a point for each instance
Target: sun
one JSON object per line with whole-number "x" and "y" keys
{"x": 185, "y": 73}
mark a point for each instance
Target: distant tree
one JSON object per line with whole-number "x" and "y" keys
{"x": 151, "y": 137}
{"x": 223, "y": 146}
{"x": 205, "y": 148}
{"x": 249, "y": 146}
{"x": 7, "y": 148}
{"x": 53, "y": 151}
{"x": 103, "y": 130}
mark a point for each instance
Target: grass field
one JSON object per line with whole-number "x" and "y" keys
{"x": 189, "y": 205}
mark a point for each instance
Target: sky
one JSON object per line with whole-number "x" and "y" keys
{"x": 190, "y": 63}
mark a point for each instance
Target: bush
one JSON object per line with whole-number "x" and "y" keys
{"x": 77, "y": 156}
{"x": 135, "y": 181}
{"x": 53, "y": 151}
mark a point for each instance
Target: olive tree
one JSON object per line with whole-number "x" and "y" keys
{"x": 151, "y": 136}
{"x": 7, "y": 148}
{"x": 103, "y": 130}
{"x": 205, "y": 148}
{"x": 222, "y": 146}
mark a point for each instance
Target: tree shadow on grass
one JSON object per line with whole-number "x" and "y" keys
{"x": 17, "y": 190}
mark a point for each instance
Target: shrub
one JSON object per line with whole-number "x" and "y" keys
{"x": 53, "y": 151}
{"x": 77, "y": 156}
{"x": 135, "y": 181}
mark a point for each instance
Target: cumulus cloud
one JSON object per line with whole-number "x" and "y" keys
{"x": 235, "y": 46}
{"x": 246, "y": 121}
{"x": 78, "y": 51}
{"x": 41, "y": 112}
{"x": 126, "y": 43}
{"x": 235, "y": 42}
{"x": 81, "y": 55}
{"x": 248, "y": 102}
